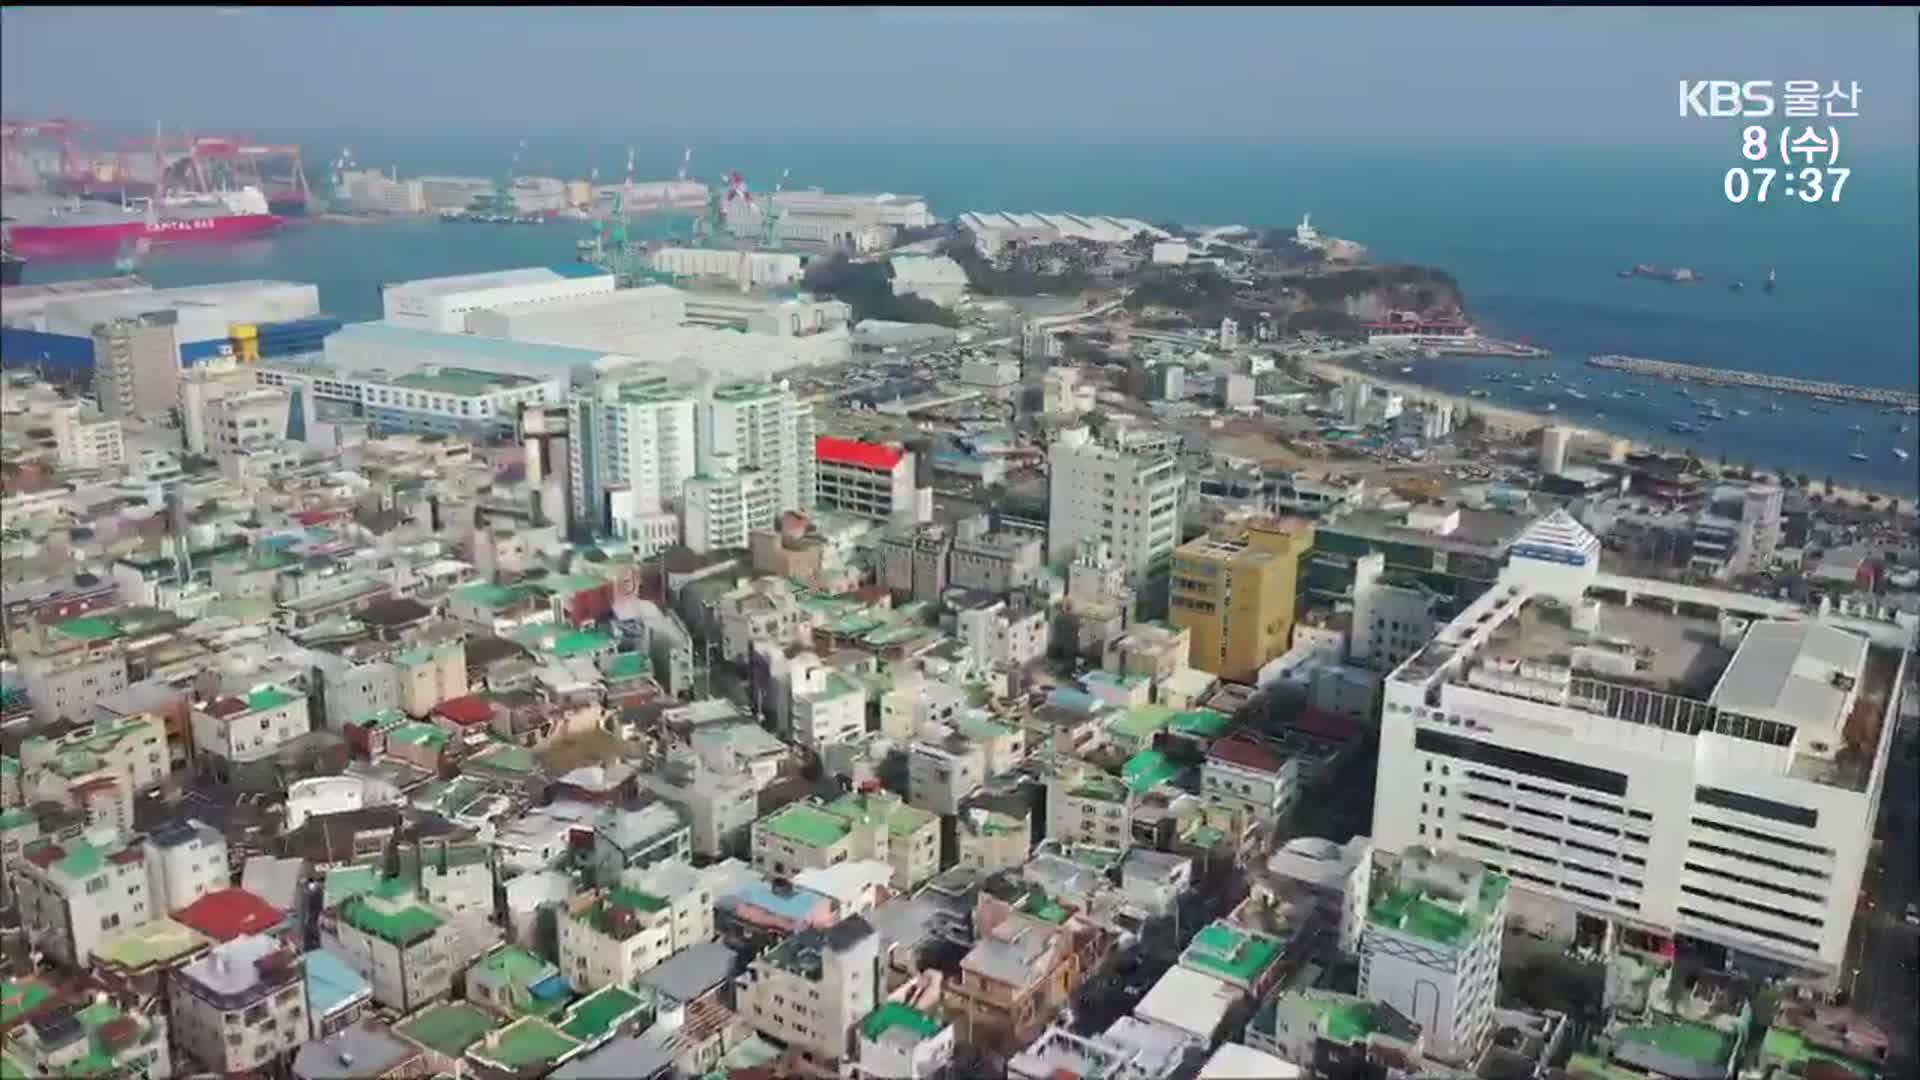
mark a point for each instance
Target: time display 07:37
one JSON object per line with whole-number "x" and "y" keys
{"x": 1807, "y": 185}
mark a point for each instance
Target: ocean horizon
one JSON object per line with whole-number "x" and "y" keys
{"x": 1534, "y": 235}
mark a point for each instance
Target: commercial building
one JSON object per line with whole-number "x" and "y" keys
{"x": 1673, "y": 759}
{"x": 245, "y": 424}
{"x": 242, "y": 1005}
{"x": 994, "y": 231}
{"x": 84, "y": 439}
{"x": 202, "y": 384}
{"x": 1430, "y": 947}
{"x": 1456, "y": 552}
{"x": 865, "y": 480}
{"x": 1393, "y": 615}
{"x": 750, "y": 269}
{"x": 811, "y": 989}
{"x": 1737, "y": 532}
{"x": 443, "y": 304}
{"x": 439, "y": 397}
{"x": 66, "y": 331}
{"x": 1236, "y": 590}
{"x": 1129, "y": 502}
{"x": 995, "y": 562}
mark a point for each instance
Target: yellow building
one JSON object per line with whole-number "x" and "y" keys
{"x": 1234, "y": 590}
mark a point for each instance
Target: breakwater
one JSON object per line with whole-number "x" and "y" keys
{"x": 1667, "y": 369}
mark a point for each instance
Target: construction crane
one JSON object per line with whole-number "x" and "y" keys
{"x": 771, "y": 215}
{"x": 18, "y": 168}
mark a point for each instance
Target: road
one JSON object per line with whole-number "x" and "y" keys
{"x": 1885, "y": 947}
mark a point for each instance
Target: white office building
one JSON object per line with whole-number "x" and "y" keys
{"x": 1130, "y": 502}
{"x": 1668, "y": 759}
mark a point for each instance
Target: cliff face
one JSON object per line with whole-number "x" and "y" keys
{"x": 1334, "y": 300}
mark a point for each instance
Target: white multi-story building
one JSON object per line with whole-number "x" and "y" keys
{"x": 942, "y": 772}
{"x": 632, "y": 430}
{"x": 1063, "y": 392}
{"x": 443, "y": 303}
{"x": 84, "y": 439}
{"x": 1431, "y": 947}
{"x": 810, "y": 990}
{"x": 1129, "y": 502}
{"x": 403, "y": 949}
{"x": 1623, "y": 754}
{"x": 613, "y": 937}
{"x": 1244, "y": 773}
{"x": 1391, "y": 620}
{"x": 74, "y": 892}
{"x": 720, "y": 509}
{"x": 720, "y": 805}
{"x": 203, "y": 384}
{"x": 765, "y": 427}
{"x": 243, "y": 424}
{"x": 185, "y": 861}
{"x": 1001, "y": 636}
{"x": 827, "y": 706}
{"x": 865, "y": 479}
{"x": 1087, "y": 806}
{"x": 236, "y": 729}
{"x": 242, "y": 1005}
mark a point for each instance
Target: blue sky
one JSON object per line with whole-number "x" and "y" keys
{"x": 1574, "y": 75}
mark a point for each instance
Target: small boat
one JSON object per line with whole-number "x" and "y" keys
{"x": 1742, "y": 412}
{"x": 1634, "y": 393}
{"x": 1856, "y": 429}
{"x": 1899, "y": 453}
{"x": 1408, "y": 370}
{"x": 1476, "y": 393}
{"x": 1680, "y": 426}
{"x": 1737, "y": 286}
{"x": 1576, "y": 394}
{"x": 1773, "y": 406}
{"x": 1769, "y": 284}
{"x": 1858, "y": 454}
{"x": 1818, "y": 409}
{"x": 1616, "y": 395}
{"x": 1683, "y": 391}
{"x": 1553, "y": 406}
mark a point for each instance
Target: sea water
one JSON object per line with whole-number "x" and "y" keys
{"x": 1535, "y": 236}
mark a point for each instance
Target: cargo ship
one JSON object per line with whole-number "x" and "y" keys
{"x": 77, "y": 229}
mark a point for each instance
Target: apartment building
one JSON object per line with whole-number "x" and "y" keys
{"x": 719, "y": 804}
{"x": 403, "y": 949}
{"x": 1088, "y": 806}
{"x": 1247, "y": 774}
{"x": 234, "y": 731}
{"x": 828, "y": 707}
{"x": 185, "y": 861}
{"x": 1018, "y": 975}
{"x": 635, "y": 839}
{"x": 1128, "y": 501}
{"x": 1235, "y": 590}
{"x": 136, "y": 364}
{"x": 812, "y": 836}
{"x": 810, "y": 990}
{"x": 632, "y": 431}
{"x": 1003, "y": 636}
{"x": 1430, "y": 947}
{"x": 995, "y": 562}
{"x": 613, "y": 936}
{"x": 242, "y": 1005}
{"x": 74, "y": 892}
{"x": 762, "y": 427}
{"x": 1679, "y": 760}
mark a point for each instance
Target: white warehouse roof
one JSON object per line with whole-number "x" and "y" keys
{"x": 1793, "y": 672}
{"x": 491, "y": 279}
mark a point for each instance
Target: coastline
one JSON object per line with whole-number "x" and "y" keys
{"x": 1509, "y": 421}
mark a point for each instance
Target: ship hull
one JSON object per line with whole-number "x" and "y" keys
{"x": 12, "y": 269}
{"x": 288, "y": 203}
{"x": 57, "y": 241}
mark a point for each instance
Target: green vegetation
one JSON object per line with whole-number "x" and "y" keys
{"x": 867, "y": 287}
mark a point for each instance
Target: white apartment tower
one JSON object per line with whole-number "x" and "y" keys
{"x": 1131, "y": 502}
{"x": 630, "y": 430}
{"x": 1666, "y": 758}
{"x": 1430, "y": 947}
{"x": 761, "y": 426}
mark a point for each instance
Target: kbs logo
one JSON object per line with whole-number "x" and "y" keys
{"x": 1724, "y": 97}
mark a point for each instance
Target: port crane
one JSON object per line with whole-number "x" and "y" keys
{"x": 15, "y": 163}
{"x": 771, "y": 213}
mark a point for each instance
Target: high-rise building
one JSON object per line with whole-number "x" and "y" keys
{"x": 631, "y": 431}
{"x": 761, "y": 426}
{"x": 1235, "y": 591}
{"x": 1675, "y": 760}
{"x": 1131, "y": 502}
{"x": 136, "y": 364}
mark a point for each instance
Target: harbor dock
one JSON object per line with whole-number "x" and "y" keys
{"x": 1666, "y": 369}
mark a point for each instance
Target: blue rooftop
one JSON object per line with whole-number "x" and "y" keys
{"x": 795, "y": 905}
{"x": 331, "y": 983}
{"x": 558, "y": 359}
{"x": 551, "y": 988}
{"x": 576, "y": 270}
{"x": 1067, "y": 697}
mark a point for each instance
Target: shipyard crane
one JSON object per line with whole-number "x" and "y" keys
{"x": 771, "y": 214}
{"x": 18, "y": 167}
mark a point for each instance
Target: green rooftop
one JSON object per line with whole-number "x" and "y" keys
{"x": 1147, "y": 770}
{"x": 1230, "y": 953}
{"x": 513, "y": 965}
{"x": 447, "y": 1028}
{"x": 902, "y": 820}
{"x": 896, "y": 1015}
{"x": 1140, "y": 722}
{"x": 598, "y": 1012}
{"x": 808, "y": 825}
{"x": 270, "y": 698}
{"x": 506, "y": 757}
{"x": 1342, "y": 1019}
{"x": 346, "y": 882}
{"x": 91, "y": 628}
{"x": 401, "y": 927}
{"x": 1682, "y": 1038}
{"x": 20, "y": 997}
{"x": 1200, "y": 723}
{"x": 1099, "y": 786}
{"x": 527, "y": 1042}
{"x": 1045, "y": 908}
{"x": 488, "y": 595}
{"x": 1793, "y": 1049}
{"x": 418, "y": 734}
{"x": 1436, "y": 918}
{"x": 15, "y": 818}
{"x": 629, "y": 665}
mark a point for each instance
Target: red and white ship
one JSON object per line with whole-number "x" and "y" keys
{"x": 46, "y": 227}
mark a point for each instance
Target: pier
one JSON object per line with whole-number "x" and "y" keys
{"x": 1666, "y": 369}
